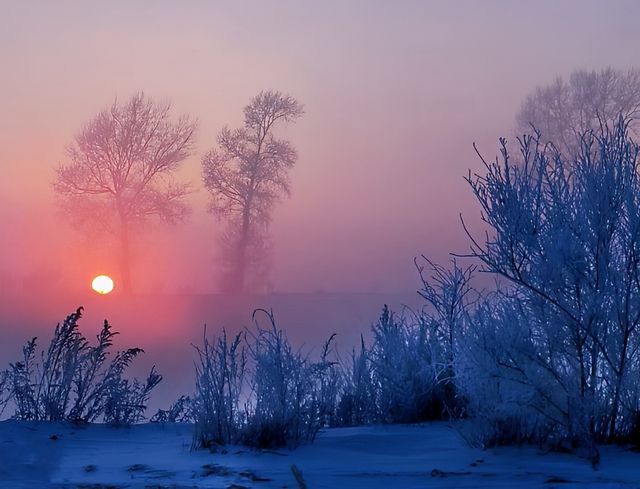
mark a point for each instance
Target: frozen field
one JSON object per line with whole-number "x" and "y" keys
{"x": 45, "y": 455}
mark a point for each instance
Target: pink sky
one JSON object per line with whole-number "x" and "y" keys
{"x": 395, "y": 93}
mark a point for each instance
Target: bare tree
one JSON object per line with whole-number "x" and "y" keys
{"x": 564, "y": 110}
{"x": 120, "y": 168}
{"x": 246, "y": 175}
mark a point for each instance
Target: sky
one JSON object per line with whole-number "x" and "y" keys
{"x": 395, "y": 93}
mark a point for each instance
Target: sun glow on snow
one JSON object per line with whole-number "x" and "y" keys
{"x": 102, "y": 284}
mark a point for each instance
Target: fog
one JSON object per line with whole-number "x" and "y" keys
{"x": 394, "y": 97}
{"x": 394, "y": 94}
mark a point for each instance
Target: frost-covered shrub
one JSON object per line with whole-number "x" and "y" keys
{"x": 328, "y": 384}
{"x": 73, "y": 380}
{"x": 407, "y": 374}
{"x": 357, "y": 400}
{"x": 259, "y": 391}
{"x": 23, "y": 391}
{"x": 284, "y": 409}
{"x": 510, "y": 394}
{"x": 559, "y": 348}
{"x": 448, "y": 295}
{"x": 406, "y": 369}
{"x": 287, "y": 388}
{"x": 180, "y": 411}
{"x": 126, "y": 401}
{"x": 220, "y": 378}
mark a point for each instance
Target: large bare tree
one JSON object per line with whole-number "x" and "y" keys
{"x": 119, "y": 173}
{"x": 564, "y": 110}
{"x": 246, "y": 175}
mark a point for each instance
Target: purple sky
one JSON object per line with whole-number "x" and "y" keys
{"x": 395, "y": 93}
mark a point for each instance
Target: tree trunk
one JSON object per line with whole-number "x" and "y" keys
{"x": 125, "y": 256}
{"x": 241, "y": 256}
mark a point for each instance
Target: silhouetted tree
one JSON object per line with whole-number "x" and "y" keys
{"x": 246, "y": 175}
{"x": 119, "y": 173}
{"x": 565, "y": 110}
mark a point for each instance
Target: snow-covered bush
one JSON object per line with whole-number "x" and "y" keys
{"x": 180, "y": 411}
{"x": 449, "y": 297}
{"x": 357, "y": 399}
{"x": 510, "y": 393}
{"x": 126, "y": 401}
{"x": 407, "y": 374}
{"x": 328, "y": 377}
{"x": 559, "y": 348}
{"x": 286, "y": 407}
{"x": 446, "y": 291}
{"x": 407, "y": 369}
{"x": 220, "y": 378}
{"x": 284, "y": 411}
{"x": 73, "y": 380}
{"x": 259, "y": 391}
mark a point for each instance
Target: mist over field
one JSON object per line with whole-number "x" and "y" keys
{"x": 394, "y": 97}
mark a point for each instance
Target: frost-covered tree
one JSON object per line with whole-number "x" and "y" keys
{"x": 120, "y": 168}
{"x": 565, "y": 109}
{"x": 564, "y": 236}
{"x": 246, "y": 175}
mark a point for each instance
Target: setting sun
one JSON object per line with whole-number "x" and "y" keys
{"x": 102, "y": 284}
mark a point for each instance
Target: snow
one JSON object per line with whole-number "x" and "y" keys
{"x": 48, "y": 455}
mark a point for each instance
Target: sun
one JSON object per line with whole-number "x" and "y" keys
{"x": 102, "y": 284}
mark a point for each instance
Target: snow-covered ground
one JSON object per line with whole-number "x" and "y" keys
{"x": 42, "y": 455}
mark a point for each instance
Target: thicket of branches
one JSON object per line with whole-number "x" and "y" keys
{"x": 551, "y": 356}
{"x": 557, "y": 350}
{"x": 220, "y": 373}
{"x": 73, "y": 380}
{"x": 258, "y": 390}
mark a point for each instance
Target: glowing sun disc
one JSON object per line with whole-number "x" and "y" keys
{"x": 102, "y": 284}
